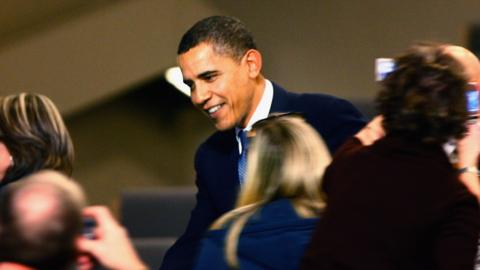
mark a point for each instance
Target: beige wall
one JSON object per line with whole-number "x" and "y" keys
{"x": 330, "y": 46}
{"x": 139, "y": 139}
{"x": 93, "y": 56}
{"x": 308, "y": 45}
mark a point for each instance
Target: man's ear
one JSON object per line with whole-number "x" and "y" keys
{"x": 253, "y": 59}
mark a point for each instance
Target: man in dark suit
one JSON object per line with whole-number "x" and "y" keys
{"x": 220, "y": 63}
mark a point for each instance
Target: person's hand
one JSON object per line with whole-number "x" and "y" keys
{"x": 372, "y": 131}
{"x": 468, "y": 151}
{"x": 111, "y": 247}
{"x": 468, "y": 148}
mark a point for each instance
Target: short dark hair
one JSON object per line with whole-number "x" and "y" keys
{"x": 47, "y": 242}
{"x": 35, "y": 134}
{"x": 423, "y": 99}
{"x": 228, "y": 35}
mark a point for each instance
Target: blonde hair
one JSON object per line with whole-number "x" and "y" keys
{"x": 33, "y": 130}
{"x": 286, "y": 159}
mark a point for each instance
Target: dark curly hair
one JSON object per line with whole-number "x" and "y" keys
{"x": 423, "y": 99}
{"x": 228, "y": 35}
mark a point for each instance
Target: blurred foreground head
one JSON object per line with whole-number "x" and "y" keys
{"x": 40, "y": 219}
{"x": 33, "y": 136}
{"x": 423, "y": 99}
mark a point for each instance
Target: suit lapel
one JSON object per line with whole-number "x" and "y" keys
{"x": 228, "y": 183}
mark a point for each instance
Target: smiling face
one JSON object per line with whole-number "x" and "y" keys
{"x": 221, "y": 87}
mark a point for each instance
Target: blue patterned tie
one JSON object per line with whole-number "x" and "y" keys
{"x": 242, "y": 161}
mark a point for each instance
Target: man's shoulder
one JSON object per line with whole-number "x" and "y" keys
{"x": 315, "y": 102}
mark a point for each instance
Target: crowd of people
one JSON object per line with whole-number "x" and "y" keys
{"x": 288, "y": 180}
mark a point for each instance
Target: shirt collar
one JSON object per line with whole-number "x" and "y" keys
{"x": 261, "y": 112}
{"x": 263, "y": 108}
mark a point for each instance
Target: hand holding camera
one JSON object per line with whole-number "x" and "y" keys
{"x": 107, "y": 241}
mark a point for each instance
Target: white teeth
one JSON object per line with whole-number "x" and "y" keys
{"x": 214, "y": 109}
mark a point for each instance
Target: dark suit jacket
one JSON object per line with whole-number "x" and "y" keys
{"x": 216, "y": 164}
{"x": 394, "y": 205}
{"x": 274, "y": 238}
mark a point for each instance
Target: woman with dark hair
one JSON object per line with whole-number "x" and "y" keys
{"x": 33, "y": 136}
{"x": 398, "y": 203}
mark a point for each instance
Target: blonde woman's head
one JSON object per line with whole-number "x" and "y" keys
{"x": 286, "y": 159}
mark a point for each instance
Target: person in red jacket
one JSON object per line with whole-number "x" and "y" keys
{"x": 395, "y": 201}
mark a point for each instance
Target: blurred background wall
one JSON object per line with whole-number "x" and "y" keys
{"x": 102, "y": 62}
